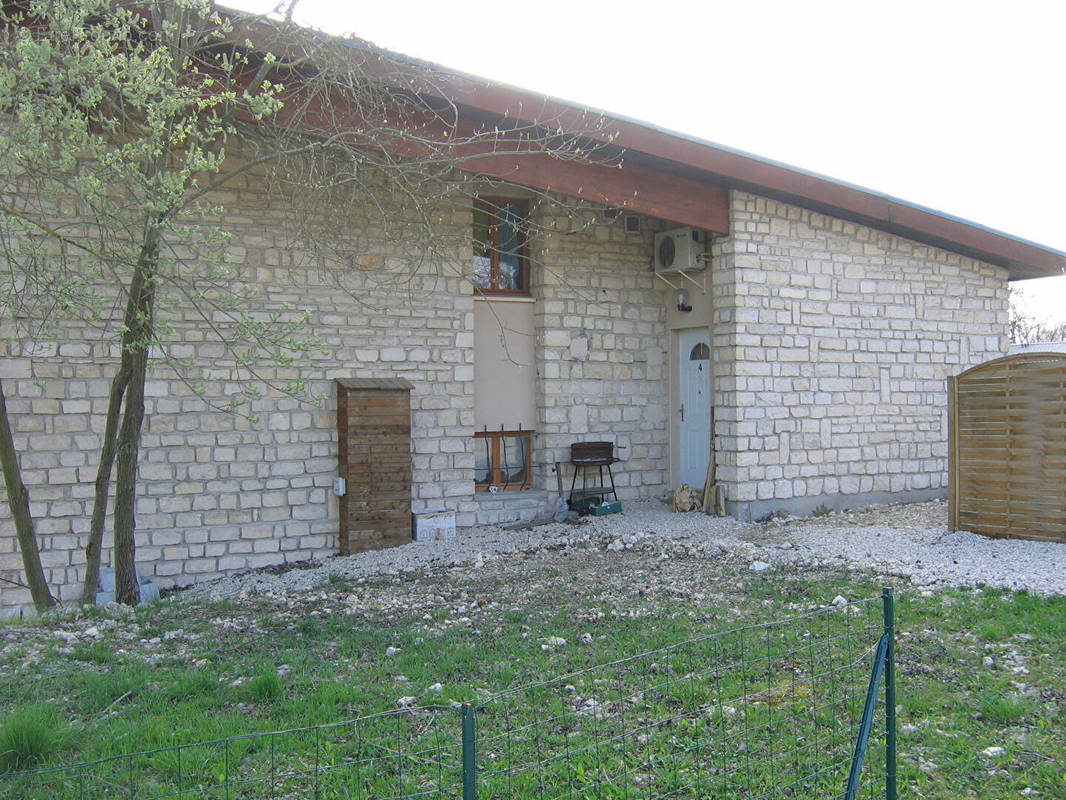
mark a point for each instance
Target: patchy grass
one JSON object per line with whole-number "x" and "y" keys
{"x": 981, "y": 669}
{"x": 265, "y": 687}
{"x": 976, "y": 668}
{"x": 28, "y": 737}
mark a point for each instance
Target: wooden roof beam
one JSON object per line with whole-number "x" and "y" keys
{"x": 516, "y": 157}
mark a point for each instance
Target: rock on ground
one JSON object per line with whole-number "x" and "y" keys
{"x": 910, "y": 541}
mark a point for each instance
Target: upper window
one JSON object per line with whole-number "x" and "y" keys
{"x": 501, "y": 259}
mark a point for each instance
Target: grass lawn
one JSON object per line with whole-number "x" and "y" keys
{"x": 977, "y": 669}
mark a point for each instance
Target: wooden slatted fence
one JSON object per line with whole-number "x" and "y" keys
{"x": 1007, "y": 457}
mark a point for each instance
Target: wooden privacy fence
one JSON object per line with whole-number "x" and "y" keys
{"x": 1007, "y": 455}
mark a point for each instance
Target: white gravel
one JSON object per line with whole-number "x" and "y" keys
{"x": 908, "y": 541}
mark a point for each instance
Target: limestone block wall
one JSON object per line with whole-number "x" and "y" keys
{"x": 831, "y": 346}
{"x": 601, "y": 342}
{"x": 220, "y": 493}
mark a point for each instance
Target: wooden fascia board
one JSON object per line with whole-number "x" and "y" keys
{"x": 633, "y": 188}
{"x": 480, "y": 149}
{"x": 636, "y": 188}
{"x": 698, "y": 202}
{"x": 1022, "y": 259}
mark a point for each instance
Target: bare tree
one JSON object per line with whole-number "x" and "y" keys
{"x": 1027, "y": 329}
{"x": 118, "y": 122}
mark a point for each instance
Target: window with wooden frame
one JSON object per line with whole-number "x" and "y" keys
{"x": 501, "y": 252}
{"x": 503, "y": 459}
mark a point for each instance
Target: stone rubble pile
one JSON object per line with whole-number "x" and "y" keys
{"x": 905, "y": 541}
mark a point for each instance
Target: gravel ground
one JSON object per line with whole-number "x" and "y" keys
{"x": 908, "y": 541}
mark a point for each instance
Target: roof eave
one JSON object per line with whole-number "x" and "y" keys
{"x": 732, "y": 168}
{"x": 719, "y": 167}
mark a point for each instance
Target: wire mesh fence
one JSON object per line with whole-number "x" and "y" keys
{"x": 771, "y": 710}
{"x": 764, "y": 711}
{"x": 409, "y": 753}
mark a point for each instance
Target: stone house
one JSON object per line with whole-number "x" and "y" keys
{"x": 809, "y": 356}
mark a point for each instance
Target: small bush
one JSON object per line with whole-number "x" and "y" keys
{"x": 27, "y": 738}
{"x": 822, "y": 511}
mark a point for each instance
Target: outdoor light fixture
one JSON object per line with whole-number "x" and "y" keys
{"x": 682, "y": 301}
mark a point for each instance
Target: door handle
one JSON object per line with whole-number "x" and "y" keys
{"x": 682, "y": 412}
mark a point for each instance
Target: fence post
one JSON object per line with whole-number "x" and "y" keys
{"x": 890, "y": 695}
{"x": 953, "y": 453}
{"x": 866, "y": 723}
{"x": 469, "y": 753}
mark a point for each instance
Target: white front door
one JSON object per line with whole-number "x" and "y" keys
{"x": 695, "y": 411}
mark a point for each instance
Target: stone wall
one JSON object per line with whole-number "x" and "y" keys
{"x": 831, "y": 346}
{"x": 220, "y": 492}
{"x": 601, "y": 341}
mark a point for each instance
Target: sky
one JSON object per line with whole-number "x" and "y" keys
{"x": 955, "y": 106}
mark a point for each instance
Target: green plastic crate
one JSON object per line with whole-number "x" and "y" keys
{"x": 606, "y": 508}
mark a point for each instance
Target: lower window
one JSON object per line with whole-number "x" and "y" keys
{"x": 502, "y": 460}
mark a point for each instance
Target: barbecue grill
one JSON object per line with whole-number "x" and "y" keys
{"x": 587, "y": 456}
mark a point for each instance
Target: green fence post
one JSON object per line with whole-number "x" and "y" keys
{"x": 866, "y": 723}
{"x": 469, "y": 753}
{"x": 890, "y": 695}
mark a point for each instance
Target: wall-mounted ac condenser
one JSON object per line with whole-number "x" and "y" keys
{"x": 680, "y": 250}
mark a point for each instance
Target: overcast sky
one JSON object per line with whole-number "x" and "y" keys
{"x": 956, "y": 106}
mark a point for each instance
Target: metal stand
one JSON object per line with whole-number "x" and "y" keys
{"x": 587, "y": 455}
{"x": 599, "y": 490}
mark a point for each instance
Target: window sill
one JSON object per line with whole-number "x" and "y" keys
{"x": 483, "y": 489}
{"x": 503, "y": 298}
{"x": 524, "y": 496}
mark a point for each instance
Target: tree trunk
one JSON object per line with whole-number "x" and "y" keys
{"x": 107, "y": 456}
{"x": 18, "y": 498}
{"x": 136, "y": 342}
{"x": 136, "y": 328}
{"x": 126, "y": 588}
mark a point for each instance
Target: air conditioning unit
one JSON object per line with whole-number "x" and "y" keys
{"x": 679, "y": 250}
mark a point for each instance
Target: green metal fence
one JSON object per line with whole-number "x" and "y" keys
{"x": 783, "y": 709}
